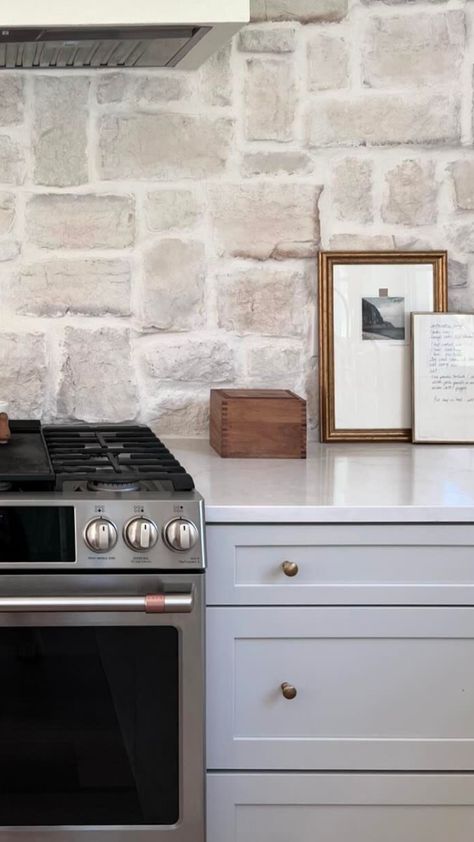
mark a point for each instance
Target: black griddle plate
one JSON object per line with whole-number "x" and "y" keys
{"x": 25, "y": 457}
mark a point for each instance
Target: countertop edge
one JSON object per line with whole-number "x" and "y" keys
{"x": 337, "y": 514}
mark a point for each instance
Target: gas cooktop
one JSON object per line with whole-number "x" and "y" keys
{"x": 106, "y": 457}
{"x": 101, "y": 497}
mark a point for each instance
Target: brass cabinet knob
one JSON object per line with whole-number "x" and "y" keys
{"x": 290, "y": 568}
{"x": 289, "y": 692}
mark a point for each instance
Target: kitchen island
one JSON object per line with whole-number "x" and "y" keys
{"x": 340, "y": 643}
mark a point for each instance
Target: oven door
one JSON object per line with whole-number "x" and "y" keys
{"x": 101, "y": 708}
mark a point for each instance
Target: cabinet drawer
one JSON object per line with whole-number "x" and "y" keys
{"x": 340, "y": 808}
{"x": 377, "y": 688}
{"x": 341, "y": 564}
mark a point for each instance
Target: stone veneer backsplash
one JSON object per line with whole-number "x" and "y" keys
{"x": 158, "y": 230}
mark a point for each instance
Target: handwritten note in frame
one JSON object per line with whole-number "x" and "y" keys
{"x": 443, "y": 377}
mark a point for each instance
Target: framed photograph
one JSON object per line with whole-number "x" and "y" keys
{"x": 443, "y": 377}
{"x": 365, "y": 304}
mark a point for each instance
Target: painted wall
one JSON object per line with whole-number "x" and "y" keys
{"x": 158, "y": 230}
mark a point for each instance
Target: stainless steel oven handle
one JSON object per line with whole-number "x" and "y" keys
{"x": 172, "y": 603}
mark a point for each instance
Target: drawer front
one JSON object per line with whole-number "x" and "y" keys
{"x": 340, "y": 808}
{"x": 376, "y": 688}
{"x": 341, "y": 565}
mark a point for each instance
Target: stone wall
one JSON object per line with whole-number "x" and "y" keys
{"x": 158, "y": 230}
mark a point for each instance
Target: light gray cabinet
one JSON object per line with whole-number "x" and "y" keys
{"x": 375, "y": 632}
{"x": 359, "y": 564}
{"x": 377, "y": 688}
{"x": 340, "y": 808}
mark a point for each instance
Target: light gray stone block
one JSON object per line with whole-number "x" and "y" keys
{"x": 216, "y": 78}
{"x": 179, "y": 413}
{"x": 9, "y": 250}
{"x": 462, "y": 173}
{"x": 275, "y": 363}
{"x": 406, "y": 50}
{"x": 328, "y": 62}
{"x": 265, "y": 219}
{"x": 162, "y": 87}
{"x": 307, "y": 11}
{"x": 7, "y": 212}
{"x": 263, "y": 300}
{"x": 375, "y": 119}
{"x": 458, "y": 274}
{"x": 258, "y": 39}
{"x": 276, "y": 163}
{"x": 398, "y": 2}
{"x": 167, "y": 209}
{"x": 92, "y": 287}
{"x": 60, "y": 130}
{"x": 361, "y": 242}
{"x": 190, "y": 360}
{"x": 270, "y": 99}
{"x": 23, "y": 376}
{"x": 11, "y": 161}
{"x": 84, "y": 221}
{"x": 173, "y": 287}
{"x": 112, "y": 87}
{"x": 411, "y": 241}
{"x": 352, "y": 190}
{"x": 163, "y": 146}
{"x": 12, "y": 100}
{"x": 97, "y": 380}
{"x": 411, "y": 194}
{"x": 461, "y": 235}
{"x": 461, "y": 300}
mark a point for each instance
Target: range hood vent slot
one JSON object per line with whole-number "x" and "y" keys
{"x": 98, "y": 47}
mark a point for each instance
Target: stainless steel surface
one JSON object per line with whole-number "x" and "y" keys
{"x": 121, "y": 572}
{"x": 120, "y": 509}
{"x": 98, "y": 47}
{"x": 100, "y": 535}
{"x": 140, "y": 534}
{"x": 164, "y": 603}
{"x": 190, "y": 626}
{"x": 180, "y": 535}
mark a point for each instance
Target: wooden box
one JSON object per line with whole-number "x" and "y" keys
{"x": 253, "y": 423}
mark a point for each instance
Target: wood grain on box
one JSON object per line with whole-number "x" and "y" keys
{"x": 258, "y": 423}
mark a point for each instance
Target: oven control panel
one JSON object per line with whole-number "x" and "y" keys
{"x": 141, "y": 534}
{"x": 145, "y": 534}
{"x": 128, "y": 532}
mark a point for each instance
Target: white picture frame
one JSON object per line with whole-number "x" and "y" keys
{"x": 443, "y": 378}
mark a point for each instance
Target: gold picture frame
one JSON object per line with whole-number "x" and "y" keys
{"x": 328, "y": 261}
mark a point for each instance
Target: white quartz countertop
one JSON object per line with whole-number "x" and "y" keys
{"x": 382, "y": 483}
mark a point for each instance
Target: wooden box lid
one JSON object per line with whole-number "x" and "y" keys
{"x": 267, "y": 394}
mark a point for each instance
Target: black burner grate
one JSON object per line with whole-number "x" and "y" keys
{"x": 112, "y": 453}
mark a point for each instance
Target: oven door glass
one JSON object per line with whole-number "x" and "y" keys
{"x": 89, "y": 726}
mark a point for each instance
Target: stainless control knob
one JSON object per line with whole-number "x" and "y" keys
{"x": 180, "y": 535}
{"x": 140, "y": 534}
{"x": 100, "y": 535}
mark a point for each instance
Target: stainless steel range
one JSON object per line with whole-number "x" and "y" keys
{"x": 101, "y": 638}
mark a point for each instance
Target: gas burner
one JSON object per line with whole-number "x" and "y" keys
{"x": 112, "y": 457}
{"x": 114, "y": 487}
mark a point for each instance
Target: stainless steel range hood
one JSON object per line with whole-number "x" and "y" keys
{"x": 49, "y": 34}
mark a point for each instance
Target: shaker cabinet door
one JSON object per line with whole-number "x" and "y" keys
{"x": 342, "y": 564}
{"x": 340, "y": 688}
{"x": 340, "y": 808}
